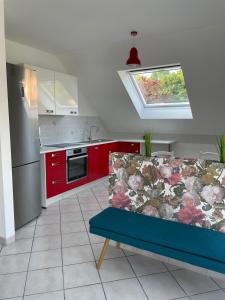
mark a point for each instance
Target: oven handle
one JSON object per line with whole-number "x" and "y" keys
{"x": 77, "y": 157}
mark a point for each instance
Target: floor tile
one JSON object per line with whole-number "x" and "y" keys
{"x": 79, "y": 254}
{"x": 71, "y": 217}
{"x": 45, "y": 259}
{"x": 91, "y": 292}
{"x": 128, "y": 289}
{"x": 75, "y": 239}
{"x": 69, "y": 227}
{"x": 19, "y": 246}
{"x": 95, "y": 239}
{"x": 25, "y": 232}
{"x": 220, "y": 282}
{"x": 194, "y": 283}
{"x": 43, "y": 281}
{"x": 50, "y": 210}
{"x": 90, "y": 213}
{"x": 69, "y": 208}
{"x": 68, "y": 201}
{"x": 12, "y": 285}
{"x": 216, "y": 295}
{"x": 45, "y": 230}
{"x": 46, "y": 243}
{"x": 87, "y": 275}
{"x": 14, "y": 263}
{"x": 161, "y": 287}
{"x": 112, "y": 252}
{"x": 48, "y": 219}
{"x": 143, "y": 265}
{"x": 172, "y": 267}
{"x": 89, "y": 206}
{"x": 114, "y": 269}
{"x": 59, "y": 295}
{"x": 31, "y": 223}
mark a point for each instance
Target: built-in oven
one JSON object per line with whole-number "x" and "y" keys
{"x": 77, "y": 164}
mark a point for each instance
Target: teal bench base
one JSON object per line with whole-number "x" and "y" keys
{"x": 197, "y": 246}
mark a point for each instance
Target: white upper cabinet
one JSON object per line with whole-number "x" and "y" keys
{"x": 66, "y": 98}
{"x": 57, "y": 93}
{"x": 46, "y": 99}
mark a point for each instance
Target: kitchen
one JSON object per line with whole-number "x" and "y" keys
{"x": 64, "y": 107}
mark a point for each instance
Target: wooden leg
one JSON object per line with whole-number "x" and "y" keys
{"x": 118, "y": 245}
{"x": 103, "y": 252}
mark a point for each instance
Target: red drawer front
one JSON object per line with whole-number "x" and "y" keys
{"x": 55, "y": 173}
{"x": 129, "y": 147}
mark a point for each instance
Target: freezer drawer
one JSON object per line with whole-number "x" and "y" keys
{"x": 27, "y": 193}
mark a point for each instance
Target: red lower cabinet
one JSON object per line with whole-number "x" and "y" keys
{"x": 129, "y": 147}
{"x": 94, "y": 160}
{"x": 55, "y": 173}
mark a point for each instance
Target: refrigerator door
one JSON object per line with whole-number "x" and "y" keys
{"x": 27, "y": 193}
{"x": 23, "y": 115}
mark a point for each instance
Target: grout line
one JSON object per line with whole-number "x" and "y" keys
{"x": 28, "y": 265}
{"x": 93, "y": 252}
{"x": 64, "y": 295}
{"x": 171, "y": 274}
{"x": 135, "y": 275}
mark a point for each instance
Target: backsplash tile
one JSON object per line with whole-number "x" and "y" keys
{"x": 57, "y": 129}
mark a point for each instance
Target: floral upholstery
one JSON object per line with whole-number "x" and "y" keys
{"x": 186, "y": 191}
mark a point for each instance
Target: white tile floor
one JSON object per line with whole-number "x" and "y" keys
{"x": 54, "y": 257}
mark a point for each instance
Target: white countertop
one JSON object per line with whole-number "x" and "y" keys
{"x": 46, "y": 149}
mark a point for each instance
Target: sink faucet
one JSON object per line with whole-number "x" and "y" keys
{"x": 90, "y": 134}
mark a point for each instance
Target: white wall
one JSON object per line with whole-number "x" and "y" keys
{"x": 7, "y": 231}
{"x": 18, "y": 53}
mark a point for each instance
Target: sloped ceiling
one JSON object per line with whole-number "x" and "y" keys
{"x": 92, "y": 39}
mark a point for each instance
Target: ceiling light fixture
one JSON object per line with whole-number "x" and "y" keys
{"x": 133, "y": 59}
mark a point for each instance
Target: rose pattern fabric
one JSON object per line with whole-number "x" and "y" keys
{"x": 186, "y": 191}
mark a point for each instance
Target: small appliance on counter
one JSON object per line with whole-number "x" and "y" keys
{"x": 25, "y": 143}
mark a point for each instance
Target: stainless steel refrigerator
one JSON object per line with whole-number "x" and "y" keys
{"x": 25, "y": 145}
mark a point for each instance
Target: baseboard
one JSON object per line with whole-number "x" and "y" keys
{"x": 5, "y": 242}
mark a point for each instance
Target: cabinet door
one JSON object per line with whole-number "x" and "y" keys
{"x": 104, "y": 160}
{"x": 46, "y": 101}
{"x": 94, "y": 160}
{"x": 55, "y": 173}
{"x": 129, "y": 147}
{"x": 66, "y": 98}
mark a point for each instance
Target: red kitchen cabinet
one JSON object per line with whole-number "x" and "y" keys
{"x": 94, "y": 160}
{"x": 129, "y": 147}
{"x": 55, "y": 164}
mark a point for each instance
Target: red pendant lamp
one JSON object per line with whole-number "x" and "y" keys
{"x": 133, "y": 59}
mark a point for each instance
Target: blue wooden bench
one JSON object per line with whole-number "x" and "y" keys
{"x": 197, "y": 246}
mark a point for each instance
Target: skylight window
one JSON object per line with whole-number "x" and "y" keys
{"x": 158, "y": 92}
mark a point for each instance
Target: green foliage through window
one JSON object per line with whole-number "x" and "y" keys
{"x": 163, "y": 85}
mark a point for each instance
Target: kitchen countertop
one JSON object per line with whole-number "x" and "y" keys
{"x": 45, "y": 149}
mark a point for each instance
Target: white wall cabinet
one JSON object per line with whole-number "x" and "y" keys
{"x": 46, "y": 99}
{"x": 66, "y": 98}
{"x": 57, "y": 93}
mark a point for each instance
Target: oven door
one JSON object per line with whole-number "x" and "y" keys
{"x": 77, "y": 167}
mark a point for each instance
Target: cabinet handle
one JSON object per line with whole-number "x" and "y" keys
{"x": 56, "y": 164}
{"x": 132, "y": 145}
{"x": 56, "y": 155}
{"x": 57, "y": 181}
{"x": 96, "y": 148}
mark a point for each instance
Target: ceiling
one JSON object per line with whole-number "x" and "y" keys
{"x": 92, "y": 39}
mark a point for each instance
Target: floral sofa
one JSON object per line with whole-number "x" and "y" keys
{"x": 185, "y": 191}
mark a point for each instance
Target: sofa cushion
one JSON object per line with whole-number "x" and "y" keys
{"x": 190, "y": 239}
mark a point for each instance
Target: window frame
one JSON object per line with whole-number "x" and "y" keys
{"x": 161, "y": 111}
{"x": 132, "y": 73}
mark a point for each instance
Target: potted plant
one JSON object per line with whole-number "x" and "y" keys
{"x": 221, "y": 148}
{"x": 148, "y": 145}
